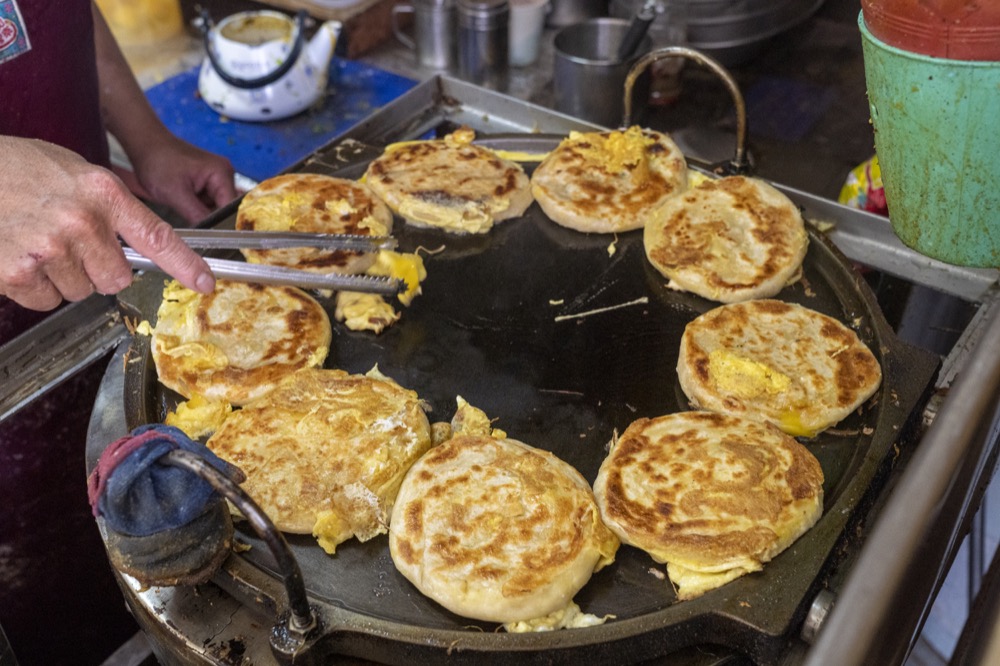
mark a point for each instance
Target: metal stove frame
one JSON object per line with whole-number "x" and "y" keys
{"x": 877, "y": 612}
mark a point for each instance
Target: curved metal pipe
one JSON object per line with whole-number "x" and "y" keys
{"x": 739, "y": 163}
{"x": 302, "y": 619}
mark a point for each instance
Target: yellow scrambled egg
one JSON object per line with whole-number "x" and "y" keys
{"x": 364, "y": 312}
{"x": 691, "y": 583}
{"x": 748, "y": 379}
{"x": 469, "y": 420}
{"x": 199, "y": 416}
{"x": 329, "y": 530}
{"x": 696, "y": 178}
{"x": 745, "y": 377}
{"x": 569, "y": 617}
{"x": 408, "y": 267}
{"x": 791, "y": 422}
{"x": 371, "y": 312}
{"x": 520, "y": 156}
{"x": 615, "y": 151}
{"x": 283, "y": 212}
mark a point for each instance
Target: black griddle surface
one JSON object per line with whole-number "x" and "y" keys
{"x": 564, "y": 339}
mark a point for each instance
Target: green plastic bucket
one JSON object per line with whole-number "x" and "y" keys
{"x": 937, "y": 137}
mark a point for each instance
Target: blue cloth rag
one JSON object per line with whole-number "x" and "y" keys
{"x": 137, "y": 495}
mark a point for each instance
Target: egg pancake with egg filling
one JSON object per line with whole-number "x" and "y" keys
{"x": 780, "y": 362}
{"x": 236, "y": 343}
{"x": 713, "y": 496}
{"x": 317, "y": 204}
{"x": 450, "y": 183}
{"x": 728, "y": 240}
{"x": 606, "y": 182}
{"x": 497, "y": 530}
{"x": 324, "y": 452}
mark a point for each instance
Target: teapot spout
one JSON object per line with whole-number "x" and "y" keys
{"x": 320, "y": 48}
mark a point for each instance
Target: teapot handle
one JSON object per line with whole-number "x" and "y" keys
{"x": 205, "y": 24}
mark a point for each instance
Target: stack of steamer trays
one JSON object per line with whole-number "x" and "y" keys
{"x": 563, "y": 339}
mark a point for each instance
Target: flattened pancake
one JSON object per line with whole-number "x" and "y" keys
{"x": 728, "y": 240}
{"x": 238, "y": 342}
{"x": 496, "y": 530}
{"x": 313, "y": 203}
{"x": 325, "y": 452}
{"x": 609, "y": 181}
{"x": 712, "y": 496}
{"x": 780, "y": 362}
{"x": 450, "y": 184}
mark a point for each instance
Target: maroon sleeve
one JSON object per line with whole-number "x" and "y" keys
{"x": 48, "y": 75}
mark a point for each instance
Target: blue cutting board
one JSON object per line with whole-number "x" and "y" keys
{"x": 262, "y": 150}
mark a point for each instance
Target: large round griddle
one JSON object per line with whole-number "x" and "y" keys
{"x": 564, "y": 339}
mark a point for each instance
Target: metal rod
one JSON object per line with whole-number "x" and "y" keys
{"x": 277, "y": 275}
{"x": 739, "y": 162}
{"x": 302, "y": 619}
{"x": 889, "y": 589}
{"x": 212, "y": 239}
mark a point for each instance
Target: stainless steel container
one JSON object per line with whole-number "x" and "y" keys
{"x": 483, "y": 42}
{"x": 433, "y": 38}
{"x": 589, "y": 80}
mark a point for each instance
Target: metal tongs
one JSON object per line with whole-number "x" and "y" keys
{"x": 214, "y": 239}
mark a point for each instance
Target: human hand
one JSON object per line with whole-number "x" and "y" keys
{"x": 59, "y": 227}
{"x": 189, "y": 180}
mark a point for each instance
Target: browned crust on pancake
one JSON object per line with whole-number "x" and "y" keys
{"x": 303, "y": 339}
{"x": 452, "y": 176}
{"x": 831, "y": 370}
{"x": 497, "y": 530}
{"x": 728, "y": 240}
{"x": 326, "y": 440}
{"x": 313, "y": 194}
{"x": 578, "y": 193}
{"x": 707, "y": 490}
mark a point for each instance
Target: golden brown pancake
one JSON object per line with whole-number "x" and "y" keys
{"x": 313, "y": 203}
{"x": 450, "y": 184}
{"x": 325, "y": 452}
{"x": 496, "y": 530}
{"x": 728, "y": 240}
{"x": 237, "y": 343}
{"x": 712, "y": 496}
{"x": 609, "y": 181}
{"x": 780, "y": 362}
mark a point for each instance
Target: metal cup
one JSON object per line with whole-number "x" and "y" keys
{"x": 434, "y": 27}
{"x": 589, "y": 80}
{"x": 483, "y": 42}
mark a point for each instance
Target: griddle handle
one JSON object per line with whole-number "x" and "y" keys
{"x": 302, "y": 620}
{"x": 739, "y": 164}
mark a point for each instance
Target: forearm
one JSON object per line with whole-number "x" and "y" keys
{"x": 127, "y": 113}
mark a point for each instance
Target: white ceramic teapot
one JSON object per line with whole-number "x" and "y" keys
{"x": 259, "y": 66}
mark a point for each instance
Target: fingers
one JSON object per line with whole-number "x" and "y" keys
{"x": 221, "y": 186}
{"x": 190, "y": 207}
{"x": 196, "y": 200}
{"x": 50, "y": 271}
{"x": 39, "y": 295}
{"x": 155, "y": 239}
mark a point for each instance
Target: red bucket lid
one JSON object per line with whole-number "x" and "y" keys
{"x": 955, "y": 29}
